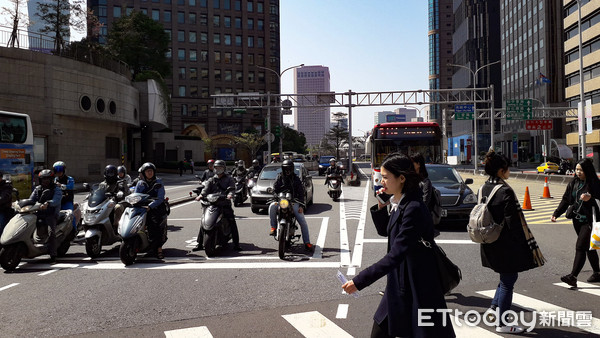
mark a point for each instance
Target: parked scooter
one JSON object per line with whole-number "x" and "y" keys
{"x": 565, "y": 168}
{"x": 215, "y": 229}
{"x": 20, "y": 238}
{"x": 286, "y": 223}
{"x": 132, "y": 227}
{"x": 334, "y": 186}
{"x": 98, "y": 215}
{"x": 241, "y": 190}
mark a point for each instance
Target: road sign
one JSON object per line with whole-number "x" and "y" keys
{"x": 463, "y": 108}
{"x": 286, "y": 104}
{"x": 269, "y": 137}
{"x": 239, "y": 110}
{"x": 519, "y": 109}
{"x": 286, "y": 111}
{"x": 463, "y": 116}
{"x": 538, "y": 125}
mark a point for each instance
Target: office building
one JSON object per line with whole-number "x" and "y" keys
{"x": 311, "y": 121}
{"x": 398, "y": 115}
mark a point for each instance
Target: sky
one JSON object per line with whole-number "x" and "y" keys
{"x": 369, "y": 46}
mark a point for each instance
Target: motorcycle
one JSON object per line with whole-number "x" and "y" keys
{"x": 334, "y": 186}
{"x": 565, "y": 168}
{"x": 132, "y": 227}
{"x": 286, "y": 223}
{"x": 21, "y": 237}
{"x": 241, "y": 191}
{"x": 98, "y": 215}
{"x": 216, "y": 229}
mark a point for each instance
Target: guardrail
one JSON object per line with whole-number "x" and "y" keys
{"x": 554, "y": 178}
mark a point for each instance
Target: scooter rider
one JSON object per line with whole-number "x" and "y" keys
{"x": 287, "y": 180}
{"x": 333, "y": 170}
{"x": 123, "y": 176}
{"x": 61, "y": 178}
{"x": 208, "y": 173}
{"x": 151, "y": 185}
{"x": 255, "y": 169}
{"x": 113, "y": 185}
{"x": 6, "y": 211}
{"x": 240, "y": 169}
{"x": 49, "y": 209}
{"x": 224, "y": 184}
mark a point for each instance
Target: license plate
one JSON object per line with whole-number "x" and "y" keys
{"x": 444, "y": 213}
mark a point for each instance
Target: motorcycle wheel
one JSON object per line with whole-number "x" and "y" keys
{"x": 65, "y": 245}
{"x": 92, "y": 247}
{"x": 283, "y": 236}
{"x": 128, "y": 251}
{"x": 210, "y": 242}
{"x": 10, "y": 256}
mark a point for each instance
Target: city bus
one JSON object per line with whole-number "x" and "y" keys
{"x": 16, "y": 151}
{"x": 404, "y": 137}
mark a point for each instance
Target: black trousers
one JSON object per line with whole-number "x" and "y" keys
{"x": 157, "y": 232}
{"x": 228, "y": 214}
{"x": 582, "y": 249}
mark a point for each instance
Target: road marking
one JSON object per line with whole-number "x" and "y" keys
{"x": 8, "y": 286}
{"x": 360, "y": 230}
{"x": 314, "y": 325}
{"x": 211, "y": 266}
{"x": 438, "y": 241}
{"x": 583, "y": 287}
{"x": 344, "y": 245}
{"x": 351, "y": 271}
{"x": 238, "y": 218}
{"x": 342, "y": 311}
{"x": 182, "y": 205}
{"x": 321, "y": 239}
{"x": 464, "y": 330}
{"x": 539, "y": 306}
{"x": 191, "y": 332}
{"x": 179, "y": 187}
{"x": 47, "y": 272}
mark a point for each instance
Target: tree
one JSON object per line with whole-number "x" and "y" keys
{"x": 293, "y": 140}
{"x": 338, "y": 136}
{"x": 140, "y": 42}
{"x": 208, "y": 146}
{"x": 251, "y": 141}
{"x": 59, "y": 16}
{"x": 17, "y": 14}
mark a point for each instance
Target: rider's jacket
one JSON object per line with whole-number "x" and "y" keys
{"x": 69, "y": 182}
{"x": 254, "y": 171}
{"x": 53, "y": 199}
{"x": 115, "y": 187}
{"x": 154, "y": 188}
{"x": 239, "y": 172}
{"x": 224, "y": 185}
{"x": 291, "y": 183}
{"x": 207, "y": 174}
{"x": 335, "y": 171}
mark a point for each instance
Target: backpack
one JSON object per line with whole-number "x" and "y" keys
{"x": 436, "y": 206}
{"x": 481, "y": 227}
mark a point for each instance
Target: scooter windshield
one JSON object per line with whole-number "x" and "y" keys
{"x": 97, "y": 196}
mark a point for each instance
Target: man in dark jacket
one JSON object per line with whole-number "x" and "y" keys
{"x": 333, "y": 171}
{"x": 49, "y": 195}
{"x": 255, "y": 169}
{"x": 6, "y": 211}
{"x": 208, "y": 173}
{"x": 224, "y": 184}
{"x": 288, "y": 181}
{"x": 113, "y": 185}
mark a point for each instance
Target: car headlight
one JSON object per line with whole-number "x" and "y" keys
{"x": 283, "y": 203}
{"x": 320, "y": 166}
{"x": 470, "y": 199}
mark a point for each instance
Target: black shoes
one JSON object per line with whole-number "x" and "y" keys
{"x": 198, "y": 247}
{"x": 570, "y": 279}
{"x": 309, "y": 247}
{"x": 594, "y": 278}
{"x": 237, "y": 247}
{"x": 52, "y": 260}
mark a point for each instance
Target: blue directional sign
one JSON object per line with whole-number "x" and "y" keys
{"x": 463, "y": 108}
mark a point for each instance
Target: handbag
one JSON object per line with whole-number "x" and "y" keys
{"x": 595, "y": 236}
{"x": 450, "y": 274}
{"x": 569, "y": 214}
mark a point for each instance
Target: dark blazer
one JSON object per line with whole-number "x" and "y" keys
{"x": 412, "y": 277}
{"x": 510, "y": 252}
{"x": 568, "y": 199}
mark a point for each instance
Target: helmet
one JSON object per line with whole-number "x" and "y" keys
{"x": 240, "y": 164}
{"x": 209, "y": 162}
{"x": 145, "y": 166}
{"x": 45, "y": 176}
{"x": 255, "y": 163}
{"x": 122, "y": 169}
{"x": 59, "y": 167}
{"x": 332, "y": 160}
{"x": 287, "y": 167}
{"x": 110, "y": 173}
{"x": 220, "y": 167}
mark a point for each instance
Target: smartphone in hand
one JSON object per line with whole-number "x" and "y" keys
{"x": 382, "y": 197}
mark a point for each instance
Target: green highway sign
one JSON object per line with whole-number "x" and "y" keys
{"x": 239, "y": 110}
{"x": 519, "y": 109}
{"x": 463, "y": 116}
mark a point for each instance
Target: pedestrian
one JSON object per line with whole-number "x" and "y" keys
{"x": 180, "y": 167}
{"x": 412, "y": 283}
{"x": 192, "y": 166}
{"x": 425, "y": 184}
{"x": 579, "y": 202}
{"x": 510, "y": 253}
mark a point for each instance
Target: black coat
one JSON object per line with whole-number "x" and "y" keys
{"x": 510, "y": 252}
{"x": 569, "y": 199}
{"x": 412, "y": 279}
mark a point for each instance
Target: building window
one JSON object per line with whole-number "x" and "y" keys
{"x": 182, "y": 73}
{"x": 184, "y": 109}
{"x": 168, "y": 31}
{"x": 251, "y": 77}
{"x": 261, "y": 42}
{"x": 239, "y": 76}
{"x": 216, "y": 4}
{"x": 193, "y": 55}
{"x": 155, "y": 14}
{"x": 238, "y": 58}
{"x": 227, "y": 21}
{"x": 238, "y": 23}
{"x": 203, "y": 19}
{"x": 181, "y": 36}
{"x": 217, "y": 57}
{"x": 261, "y": 77}
{"x": 260, "y": 7}
{"x": 204, "y": 56}
{"x": 250, "y": 24}
{"x": 250, "y": 59}
{"x": 167, "y": 16}
{"x": 227, "y": 57}
{"x": 227, "y": 40}
{"x": 204, "y": 73}
{"x": 180, "y": 17}
{"x": 194, "y": 110}
{"x": 260, "y": 25}
{"x": 113, "y": 147}
{"x": 194, "y": 91}
{"x": 203, "y": 37}
{"x": 217, "y": 73}
{"x": 250, "y": 41}
{"x": 192, "y": 2}
{"x": 250, "y": 7}
{"x": 181, "y": 91}
{"x": 260, "y": 60}
{"x": 228, "y": 75}
{"x": 117, "y": 12}
{"x": 216, "y": 21}
{"x": 237, "y": 5}
{"x": 181, "y": 54}
{"x": 204, "y": 92}
{"x": 192, "y": 18}
{"x": 192, "y": 37}
{"x": 238, "y": 40}
{"x": 193, "y": 73}
{"x": 217, "y": 38}
{"x": 203, "y": 3}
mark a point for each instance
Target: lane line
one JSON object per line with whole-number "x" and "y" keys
{"x": 8, "y": 286}
{"x": 351, "y": 271}
{"x": 321, "y": 239}
{"x": 360, "y": 230}
{"x": 464, "y": 330}
{"x": 212, "y": 266}
{"x": 238, "y": 218}
{"x": 344, "y": 245}
{"x": 47, "y": 272}
{"x": 438, "y": 241}
{"x": 342, "y": 311}
{"x": 583, "y": 287}
{"x": 183, "y": 204}
{"x": 191, "y": 332}
{"x": 314, "y": 325}
{"x": 539, "y": 306}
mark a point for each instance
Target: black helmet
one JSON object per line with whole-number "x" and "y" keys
{"x": 240, "y": 164}
{"x": 145, "y": 166}
{"x": 255, "y": 163}
{"x": 122, "y": 169}
{"x": 220, "y": 167}
{"x": 110, "y": 173}
{"x": 45, "y": 176}
{"x": 287, "y": 167}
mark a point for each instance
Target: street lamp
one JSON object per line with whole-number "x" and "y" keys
{"x": 476, "y": 159}
{"x": 280, "y": 115}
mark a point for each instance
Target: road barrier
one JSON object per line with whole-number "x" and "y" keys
{"x": 527, "y": 200}
{"x": 546, "y": 193}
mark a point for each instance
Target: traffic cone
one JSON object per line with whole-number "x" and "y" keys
{"x": 546, "y": 193}
{"x": 527, "y": 200}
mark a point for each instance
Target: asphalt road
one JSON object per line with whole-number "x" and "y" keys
{"x": 254, "y": 293}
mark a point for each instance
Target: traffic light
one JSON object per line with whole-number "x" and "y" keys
{"x": 277, "y": 130}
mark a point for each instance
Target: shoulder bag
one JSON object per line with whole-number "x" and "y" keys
{"x": 450, "y": 274}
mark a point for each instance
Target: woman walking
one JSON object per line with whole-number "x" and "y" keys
{"x": 425, "y": 184}
{"x": 412, "y": 283}
{"x": 579, "y": 203}
{"x": 510, "y": 253}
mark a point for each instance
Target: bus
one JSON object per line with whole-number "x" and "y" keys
{"x": 404, "y": 137}
{"x": 16, "y": 151}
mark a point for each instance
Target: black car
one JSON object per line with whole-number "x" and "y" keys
{"x": 457, "y": 198}
{"x": 261, "y": 193}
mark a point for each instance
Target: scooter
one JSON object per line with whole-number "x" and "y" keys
{"x": 215, "y": 228}
{"x": 20, "y": 238}
{"x": 565, "y": 167}
{"x": 98, "y": 215}
{"x": 334, "y": 186}
{"x": 286, "y": 223}
{"x": 132, "y": 227}
{"x": 241, "y": 191}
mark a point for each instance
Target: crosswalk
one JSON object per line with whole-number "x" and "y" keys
{"x": 543, "y": 209}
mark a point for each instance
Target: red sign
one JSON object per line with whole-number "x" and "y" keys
{"x": 538, "y": 124}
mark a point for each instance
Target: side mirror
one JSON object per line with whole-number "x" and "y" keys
{"x": 469, "y": 181}
{"x": 86, "y": 186}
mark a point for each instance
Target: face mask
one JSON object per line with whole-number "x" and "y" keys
{"x": 219, "y": 170}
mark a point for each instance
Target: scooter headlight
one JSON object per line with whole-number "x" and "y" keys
{"x": 333, "y": 182}
{"x": 133, "y": 199}
{"x": 284, "y": 203}
{"x": 212, "y": 198}
{"x": 90, "y": 216}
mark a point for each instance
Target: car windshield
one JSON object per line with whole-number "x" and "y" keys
{"x": 270, "y": 173}
{"x": 325, "y": 159}
{"x": 443, "y": 175}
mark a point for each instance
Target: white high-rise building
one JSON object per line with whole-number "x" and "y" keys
{"x": 312, "y": 121}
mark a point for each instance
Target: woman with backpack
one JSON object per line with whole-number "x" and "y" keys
{"x": 579, "y": 201}
{"x": 510, "y": 253}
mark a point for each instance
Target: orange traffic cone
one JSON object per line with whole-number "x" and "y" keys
{"x": 527, "y": 200}
{"x": 546, "y": 193}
